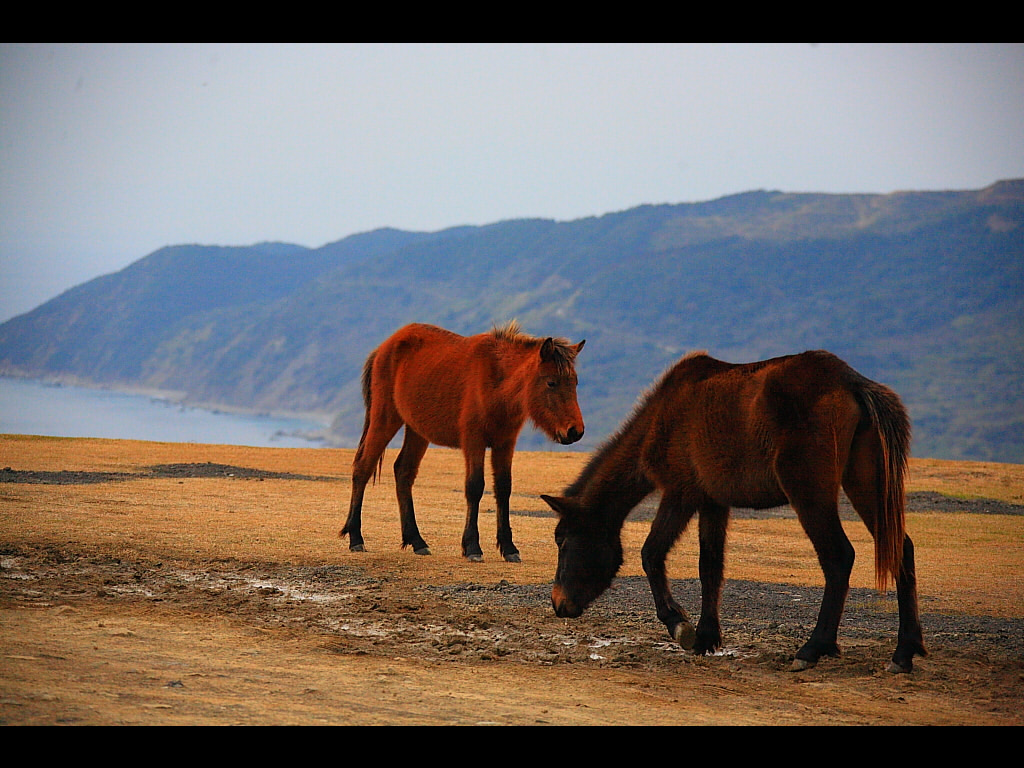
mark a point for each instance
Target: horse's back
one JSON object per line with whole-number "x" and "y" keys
{"x": 425, "y": 372}
{"x": 724, "y": 426}
{"x": 415, "y": 337}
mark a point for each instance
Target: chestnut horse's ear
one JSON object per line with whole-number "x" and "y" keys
{"x": 561, "y": 506}
{"x": 547, "y": 350}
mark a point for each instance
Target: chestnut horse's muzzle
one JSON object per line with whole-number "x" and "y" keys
{"x": 570, "y": 437}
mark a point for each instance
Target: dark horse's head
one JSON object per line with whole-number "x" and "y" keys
{"x": 552, "y": 392}
{"x": 589, "y": 556}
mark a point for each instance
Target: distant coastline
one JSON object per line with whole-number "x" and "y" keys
{"x": 66, "y": 407}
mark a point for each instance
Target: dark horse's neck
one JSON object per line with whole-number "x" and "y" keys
{"x": 613, "y": 482}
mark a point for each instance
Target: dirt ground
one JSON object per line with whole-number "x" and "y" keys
{"x": 167, "y": 584}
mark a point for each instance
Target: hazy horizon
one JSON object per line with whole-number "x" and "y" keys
{"x": 112, "y": 151}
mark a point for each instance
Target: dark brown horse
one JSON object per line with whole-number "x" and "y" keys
{"x": 472, "y": 393}
{"x": 710, "y": 436}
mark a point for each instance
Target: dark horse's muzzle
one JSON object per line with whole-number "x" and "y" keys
{"x": 564, "y": 607}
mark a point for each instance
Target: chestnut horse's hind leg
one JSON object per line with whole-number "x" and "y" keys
{"x": 501, "y": 465}
{"x": 375, "y": 440}
{"x": 406, "y": 468}
{"x": 668, "y": 525}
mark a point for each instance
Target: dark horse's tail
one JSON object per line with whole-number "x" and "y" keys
{"x": 889, "y": 419}
{"x": 367, "y": 398}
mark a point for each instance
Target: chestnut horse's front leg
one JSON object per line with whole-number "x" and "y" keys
{"x": 406, "y": 468}
{"x": 668, "y": 525}
{"x": 474, "y": 492}
{"x": 501, "y": 465}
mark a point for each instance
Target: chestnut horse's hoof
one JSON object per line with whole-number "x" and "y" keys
{"x": 899, "y": 669}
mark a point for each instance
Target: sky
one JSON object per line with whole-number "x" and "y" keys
{"x": 109, "y": 152}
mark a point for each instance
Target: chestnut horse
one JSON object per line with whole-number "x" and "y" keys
{"x": 472, "y": 393}
{"x": 710, "y": 436}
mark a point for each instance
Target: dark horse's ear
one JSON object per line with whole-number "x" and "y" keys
{"x": 561, "y": 506}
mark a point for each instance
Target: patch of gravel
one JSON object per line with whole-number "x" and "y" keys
{"x": 356, "y": 612}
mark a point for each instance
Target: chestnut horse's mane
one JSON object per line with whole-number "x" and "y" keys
{"x": 563, "y": 351}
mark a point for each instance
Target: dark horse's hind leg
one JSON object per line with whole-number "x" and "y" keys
{"x": 835, "y": 555}
{"x": 407, "y": 466}
{"x": 807, "y": 473}
{"x": 860, "y": 485}
{"x": 910, "y": 639}
{"x": 668, "y": 525}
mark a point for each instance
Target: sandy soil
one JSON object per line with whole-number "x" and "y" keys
{"x": 159, "y": 584}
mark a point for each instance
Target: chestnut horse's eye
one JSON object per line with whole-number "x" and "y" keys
{"x": 552, "y": 383}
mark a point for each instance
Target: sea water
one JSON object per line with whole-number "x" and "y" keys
{"x": 30, "y": 407}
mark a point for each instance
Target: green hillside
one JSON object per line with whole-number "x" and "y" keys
{"x": 921, "y": 290}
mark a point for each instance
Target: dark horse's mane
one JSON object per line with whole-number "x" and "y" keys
{"x": 638, "y": 412}
{"x": 563, "y": 352}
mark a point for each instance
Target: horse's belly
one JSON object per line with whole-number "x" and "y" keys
{"x": 746, "y": 490}
{"x": 430, "y": 410}
{"x": 744, "y": 479}
{"x": 431, "y": 424}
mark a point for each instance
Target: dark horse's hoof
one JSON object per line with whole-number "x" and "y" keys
{"x": 513, "y": 558}
{"x": 899, "y": 669}
{"x": 685, "y": 634}
{"x": 356, "y": 548}
{"x": 799, "y": 665}
{"x": 475, "y": 558}
{"x": 422, "y": 551}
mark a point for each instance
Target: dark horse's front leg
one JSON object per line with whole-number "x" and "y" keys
{"x": 713, "y": 523}
{"x": 668, "y": 525}
{"x": 501, "y": 465}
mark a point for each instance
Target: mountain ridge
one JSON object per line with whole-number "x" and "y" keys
{"x": 920, "y": 290}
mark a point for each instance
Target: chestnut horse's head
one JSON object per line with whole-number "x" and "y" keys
{"x": 552, "y": 392}
{"x": 589, "y": 556}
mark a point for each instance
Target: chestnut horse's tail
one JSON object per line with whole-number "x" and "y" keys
{"x": 891, "y": 424}
{"x": 367, "y": 398}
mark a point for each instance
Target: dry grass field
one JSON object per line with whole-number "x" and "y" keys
{"x": 164, "y": 584}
